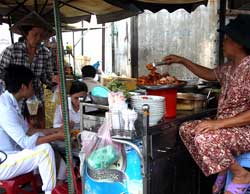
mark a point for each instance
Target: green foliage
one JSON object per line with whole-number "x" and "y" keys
{"x": 116, "y": 85}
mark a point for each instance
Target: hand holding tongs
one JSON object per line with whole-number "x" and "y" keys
{"x": 159, "y": 63}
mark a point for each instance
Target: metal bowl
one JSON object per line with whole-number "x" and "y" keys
{"x": 99, "y": 100}
{"x": 191, "y": 101}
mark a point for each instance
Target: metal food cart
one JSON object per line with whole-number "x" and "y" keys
{"x": 159, "y": 149}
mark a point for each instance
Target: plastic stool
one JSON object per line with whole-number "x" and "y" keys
{"x": 13, "y": 186}
{"x": 244, "y": 161}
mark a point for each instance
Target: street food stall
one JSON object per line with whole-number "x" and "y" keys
{"x": 156, "y": 129}
{"x": 160, "y": 144}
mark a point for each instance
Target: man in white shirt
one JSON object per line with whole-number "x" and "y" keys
{"x": 26, "y": 149}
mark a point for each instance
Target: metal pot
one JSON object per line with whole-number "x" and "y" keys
{"x": 191, "y": 101}
{"x": 99, "y": 100}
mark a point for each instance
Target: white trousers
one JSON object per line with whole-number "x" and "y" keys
{"x": 41, "y": 157}
{"x": 62, "y": 171}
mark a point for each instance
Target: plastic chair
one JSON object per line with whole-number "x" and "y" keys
{"x": 14, "y": 185}
{"x": 244, "y": 161}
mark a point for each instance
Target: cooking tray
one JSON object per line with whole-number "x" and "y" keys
{"x": 211, "y": 84}
{"x": 191, "y": 96}
{"x": 163, "y": 86}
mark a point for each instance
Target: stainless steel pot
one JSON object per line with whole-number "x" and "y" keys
{"x": 191, "y": 101}
{"x": 99, "y": 100}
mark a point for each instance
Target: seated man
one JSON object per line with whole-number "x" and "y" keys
{"x": 88, "y": 75}
{"x": 26, "y": 149}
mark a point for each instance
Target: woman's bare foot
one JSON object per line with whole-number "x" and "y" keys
{"x": 219, "y": 183}
{"x": 241, "y": 178}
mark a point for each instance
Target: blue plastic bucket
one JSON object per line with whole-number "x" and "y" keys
{"x": 124, "y": 177}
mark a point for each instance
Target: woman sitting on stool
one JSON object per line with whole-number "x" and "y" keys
{"x": 214, "y": 144}
{"x": 78, "y": 89}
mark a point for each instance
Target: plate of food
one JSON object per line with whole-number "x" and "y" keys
{"x": 156, "y": 81}
{"x": 162, "y": 86}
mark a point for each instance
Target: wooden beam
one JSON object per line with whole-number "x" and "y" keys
{"x": 134, "y": 47}
{"x": 235, "y": 12}
{"x": 222, "y": 18}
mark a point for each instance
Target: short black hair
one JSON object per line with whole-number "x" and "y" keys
{"x": 77, "y": 87}
{"x": 88, "y": 71}
{"x": 15, "y": 76}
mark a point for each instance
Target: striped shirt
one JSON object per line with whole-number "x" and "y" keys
{"x": 41, "y": 65}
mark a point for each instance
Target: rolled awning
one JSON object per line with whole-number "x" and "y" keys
{"x": 72, "y": 11}
{"x": 157, "y": 5}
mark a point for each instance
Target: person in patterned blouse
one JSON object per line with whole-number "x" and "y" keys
{"x": 31, "y": 53}
{"x": 214, "y": 144}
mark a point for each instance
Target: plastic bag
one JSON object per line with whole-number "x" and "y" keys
{"x": 88, "y": 142}
{"x": 105, "y": 152}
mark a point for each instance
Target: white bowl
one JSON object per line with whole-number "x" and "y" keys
{"x": 153, "y": 107}
{"x": 154, "y": 119}
{"x": 147, "y": 98}
{"x": 156, "y": 104}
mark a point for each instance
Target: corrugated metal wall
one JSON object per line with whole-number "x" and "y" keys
{"x": 190, "y": 35}
{"x": 122, "y": 47}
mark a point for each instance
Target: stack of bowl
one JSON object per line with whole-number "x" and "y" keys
{"x": 156, "y": 106}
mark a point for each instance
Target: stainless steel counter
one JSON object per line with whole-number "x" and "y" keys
{"x": 181, "y": 116}
{"x": 164, "y": 135}
{"x": 169, "y": 165}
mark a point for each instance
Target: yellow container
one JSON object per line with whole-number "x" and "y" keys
{"x": 68, "y": 84}
{"x": 130, "y": 83}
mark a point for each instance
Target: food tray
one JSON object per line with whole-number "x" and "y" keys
{"x": 163, "y": 86}
{"x": 157, "y": 87}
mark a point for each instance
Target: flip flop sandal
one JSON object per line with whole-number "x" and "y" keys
{"x": 219, "y": 183}
{"x": 236, "y": 188}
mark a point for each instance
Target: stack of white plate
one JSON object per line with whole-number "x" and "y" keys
{"x": 156, "y": 106}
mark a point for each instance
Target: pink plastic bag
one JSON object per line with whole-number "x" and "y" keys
{"x": 100, "y": 150}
